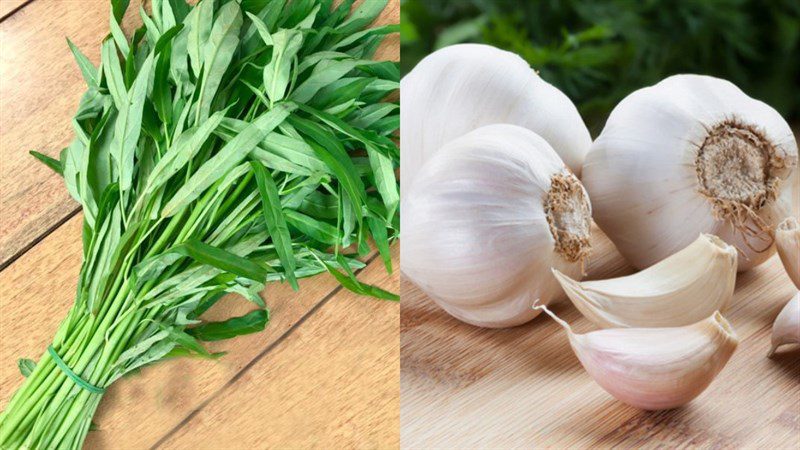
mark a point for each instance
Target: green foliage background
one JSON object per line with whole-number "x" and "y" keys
{"x": 598, "y": 51}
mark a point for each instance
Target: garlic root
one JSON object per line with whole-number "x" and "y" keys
{"x": 680, "y": 290}
{"x": 786, "y": 329}
{"x": 655, "y": 368}
{"x": 787, "y": 239}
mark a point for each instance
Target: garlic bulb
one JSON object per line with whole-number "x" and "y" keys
{"x": 787, "y": 238}
{"x": 692, "y": 154}
{"x": 680, "y": 290}
{"x": 487, "y": 218}
{"x": 655, "y": 368}
{"x": 463, "y": 87}
{"x": 786, "y": 329}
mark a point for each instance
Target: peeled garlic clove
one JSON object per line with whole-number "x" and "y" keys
{"x": 692, "y": 154}
{"x": 680, "y": 290}
{"x": 463, "y": 87}
{"x": 655, "y": 368}
{"x": 786, "y": 328}
{"x": 787, "y": 239}
{"x": 487, "y": 218}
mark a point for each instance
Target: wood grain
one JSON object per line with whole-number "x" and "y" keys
{"x": 40, "y": 89}
{"x": 333, "y": 383}
{"x": 463, "y": 386}
{"x": 8, "y": 6}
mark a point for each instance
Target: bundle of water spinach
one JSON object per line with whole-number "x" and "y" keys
{"x": 221, "y": 147}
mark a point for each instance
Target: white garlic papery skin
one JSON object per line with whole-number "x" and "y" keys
{"x": 655, "y": 368}
{"x": 787, "y": 239}
{"x": 692, "y": 154}
{"x": 786, "y": 328}
{"x": 487, "y": 218}
{"x": 681, "y": 290}
{"x": 463, "y": 87}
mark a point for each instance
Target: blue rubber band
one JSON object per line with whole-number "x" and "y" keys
{"x": 83, "y": 384}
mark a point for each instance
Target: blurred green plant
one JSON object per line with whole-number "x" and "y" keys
{"x": 598, "y": 51}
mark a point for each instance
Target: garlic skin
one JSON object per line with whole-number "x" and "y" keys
{"x": 655, "y": 368}
{"x": 787, "y": 239}
{"x": 463, "y": 87}
{"x": 786, "y": 328}
{"x": 692, "y": 154}
{"x": 681, "y": 290}
{"x": 487, "y": 218}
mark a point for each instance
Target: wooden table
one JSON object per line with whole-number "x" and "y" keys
{"x": 324, "y": 372}
{"x": 463, "y": 386}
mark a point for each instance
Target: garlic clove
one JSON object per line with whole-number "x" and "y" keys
{"x": 680, "y": 290}
{"x": 786, "y": 328}
{"x": 487, "y": 218}
{"x": 692, "y": 154}
{"x": 787, "y": 239}
{"x": 655, "y": 368}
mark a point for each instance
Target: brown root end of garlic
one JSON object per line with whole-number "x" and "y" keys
{"x": 569, "y": 216}
{"x": 736, "y": 169}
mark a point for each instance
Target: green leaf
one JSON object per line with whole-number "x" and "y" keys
{"x": 152, "y": 29}
{"x": 255, "y": 6}
{"x": 183, "y": 149}
{"x": 331, "y": 151}
{"x": 362, "y": 16}
{"x": 217, "y": 55}
{"x": 343, "y": 91}
{"x": 262, "y": 28}
{"x": 275, "y": 220}
{"x": 319, "y": 231}
{"x": 385, "y": 181}
{"x": 252, "y": 322}
{"x": 187, "y": 342}
{"x": 179, "y": 57}
{"x": 292, "y": 149}
{"x": 168, "y": 19}
{"x": 129, "y": 126}
{"x": 113, "y": 73}
{"x": 26, "y": 366}
{"x": 356, "y": 37}
{"x": 207, "y": 302}
{"x": 378, "y": 229}
{"x": 117, "y": 33}
{"x": 351, "y": 283}
{"x": 200, "y": 18}
{"x": 221, "y": 259}
{"x": 52, "y": 163}
{"x": 118, "y": 8}
{"x": 166, "y": 38}
{"x": 286, "y": 44}
{"x": 88, "y": 70}
{"x": 370, "y": 114}
{"x": 161, "y": 96}
{"x": 324, "y": 73}
{"x": 70, "y": 158}
{"x": 227, "y": 158}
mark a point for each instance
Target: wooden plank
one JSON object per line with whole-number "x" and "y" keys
{"x": 332, "y": 384}
{"x": 462, "y": 386}
{"x": 8, "y": 6}
{"x": 40, "y": 91}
